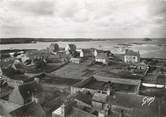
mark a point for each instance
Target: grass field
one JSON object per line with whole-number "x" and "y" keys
{"x": 71, "y": 70}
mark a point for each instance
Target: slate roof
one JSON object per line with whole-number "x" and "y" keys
{"x": 99, "y": 97}
{"x": 84, "y": 97}
{"x": 94, "y": 84}
{"x": 31, "y": 110}
{"x": 29, "y": 89}
{"x": 102, "y": 56}
{"x": 89, "y": 51}
{"x": 131, "y": 53}
{"x": 103, "y": 51}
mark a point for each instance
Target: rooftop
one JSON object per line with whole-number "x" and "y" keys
{"x": 99, "y": 97}
{"x": 6, "y": 107}
{"x": 102, "y": 56}
{"x": 32, "y": 109}
{"x": 100, "y": 84}
{"x": 97, "y": 85}
{"x": 84, "y": 97}
{"x": 88, "y": 50}
{"x": 131, "y": 52}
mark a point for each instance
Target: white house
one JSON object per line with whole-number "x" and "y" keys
{"x": 75, "y": 60}
{"x": 86, "y": 52}
{"x": 131, "y": 56}
{"x": 102, "y": 58}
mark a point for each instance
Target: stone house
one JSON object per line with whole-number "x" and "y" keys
{"x": 26, "y": 93}
{"x": 102, "y": 58}
{"x": 70, "y": 49}
{"x": 87, "y": 52}
{"x": 131, "y": 56}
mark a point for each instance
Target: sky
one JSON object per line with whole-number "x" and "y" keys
{"x": 83, "y": 18}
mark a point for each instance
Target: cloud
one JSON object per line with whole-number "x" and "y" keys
{"x": 82, "y": 18}
{"x": 33, "y": 7}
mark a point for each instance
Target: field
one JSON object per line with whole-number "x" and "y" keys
{"x": 72, "y": 71}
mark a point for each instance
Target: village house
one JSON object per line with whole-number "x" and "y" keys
{"x": 140, "y": 68}
{"x": 102, "y": 58}
{"x": 86, "y": 52}
{"x": 84, "y": 98}
{"x": 75, "y": 60}
{"x": 103, "y": 105}
{"x": 61, "y": 53}
{"x": 75, "y": 108}
{"x": 37, "y": 55}
{"x": 26, "y": 93}
{"x": 98, "y": 100}
{"x": 99, "y": 103}
{"x": 131, "y": 56}
{"x": 13, "y": 81}
{"x": 70, "y": 49}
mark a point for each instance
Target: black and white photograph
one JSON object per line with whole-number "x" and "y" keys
{"x": 82, "y": 58}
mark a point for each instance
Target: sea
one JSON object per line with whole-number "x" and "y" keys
{"x": 148, "y": 49}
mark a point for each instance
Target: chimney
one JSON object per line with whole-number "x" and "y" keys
{"x": 37, "y": 80}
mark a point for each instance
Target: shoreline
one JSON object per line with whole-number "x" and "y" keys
{"x": 35, "y": 40}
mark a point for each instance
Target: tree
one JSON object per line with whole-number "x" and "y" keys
{"x": 54, "y": 47}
